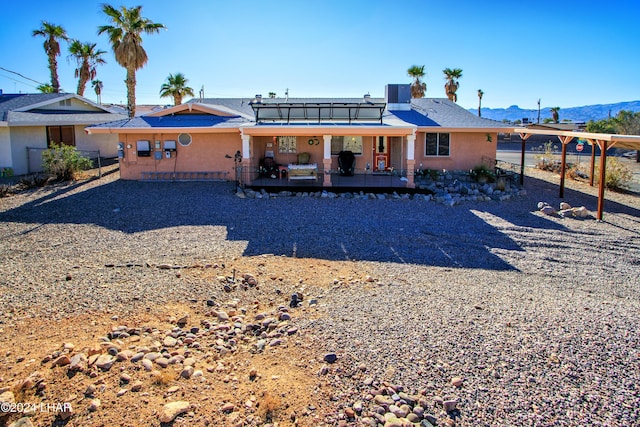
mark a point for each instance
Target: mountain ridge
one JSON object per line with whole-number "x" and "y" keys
{"x": 574, "y": 114}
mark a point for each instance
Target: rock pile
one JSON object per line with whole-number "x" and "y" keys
{"x": 565, "y": 211}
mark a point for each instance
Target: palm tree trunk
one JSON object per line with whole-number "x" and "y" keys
{"x": 53, "y": 67}
{"x": 131, "y": 91}
{"x": 479, "y": 106}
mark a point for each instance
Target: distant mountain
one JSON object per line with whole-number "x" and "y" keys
{"x": 575, "y": 114}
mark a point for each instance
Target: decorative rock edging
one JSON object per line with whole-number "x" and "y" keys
{"x": 451, "y": 195}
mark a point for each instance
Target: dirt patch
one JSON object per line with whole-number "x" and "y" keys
{"x": 235, "y": 383}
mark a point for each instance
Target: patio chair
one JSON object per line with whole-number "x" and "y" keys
{"x": 346, "y": 163}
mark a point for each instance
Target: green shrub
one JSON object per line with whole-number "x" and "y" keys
{"x": 482, "y": 173}
{"x": 64, "y": 162}
{"x": 617, "y": 176}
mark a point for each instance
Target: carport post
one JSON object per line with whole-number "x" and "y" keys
{"x": 593, "y": 161}
{"x": 523, "y": 137}
{"x": 603, "y": 167}
{"x": 564, "y": 140}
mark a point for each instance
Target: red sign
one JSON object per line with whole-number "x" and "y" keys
{"x": 580, "y": 147}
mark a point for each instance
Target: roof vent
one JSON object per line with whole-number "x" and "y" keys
{"x": 367, "y": 97}
{"x": 258, "y": 99}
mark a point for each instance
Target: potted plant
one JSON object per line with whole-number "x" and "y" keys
{"x": 482, "y": 174}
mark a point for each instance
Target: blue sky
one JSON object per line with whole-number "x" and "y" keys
{"x": 567, "y": 53}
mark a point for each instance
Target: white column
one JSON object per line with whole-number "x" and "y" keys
{"x": 327, "y": 146}
{"x": 245, "y": 146}
{"x": 411, "y": 146}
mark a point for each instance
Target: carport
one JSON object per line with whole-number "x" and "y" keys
{"x": 602, "y": 140}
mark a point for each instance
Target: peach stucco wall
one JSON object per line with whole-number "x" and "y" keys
{"x": 206, "y": 153}
{"x": 466, "y": 151}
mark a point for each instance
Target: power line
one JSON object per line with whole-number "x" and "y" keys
{"x": 24, "y": 77}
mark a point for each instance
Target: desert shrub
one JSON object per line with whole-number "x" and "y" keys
{"x": 33, "y": 181}
{"x": 64, "y": 162}
{"x": 268, "y": 406}
{"x": 617, "y": 176}
{"x": 5, "y": 190}
{"x": 546, "y": 160}
{"x": 577, "y": 173}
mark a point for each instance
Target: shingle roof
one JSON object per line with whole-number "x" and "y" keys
{"x": 444, "y": 113}
{"x": 174, "y": 121}
{"x": 11, "y": 102}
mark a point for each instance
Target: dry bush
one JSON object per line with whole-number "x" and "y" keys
{"x": 164, "y": 377}
{"x": 269, "y": 406}
{"x": 617, "y": 175}
{"x": 5, "y": 190}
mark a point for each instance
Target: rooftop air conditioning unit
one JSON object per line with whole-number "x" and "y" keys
{"x": 398, "y": 96}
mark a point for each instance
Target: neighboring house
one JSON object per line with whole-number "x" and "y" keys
{"x": 390, "y": 137}
{"x": 29, "y": 123}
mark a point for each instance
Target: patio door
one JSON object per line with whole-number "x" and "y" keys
{"x": 381, "y": 154}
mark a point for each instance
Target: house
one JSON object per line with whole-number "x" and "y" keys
{"x": 265, "y": 141}
{"x": 29, "y": 123}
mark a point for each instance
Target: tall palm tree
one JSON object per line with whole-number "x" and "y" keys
{"x": 480, "y": 93}
{"x": 97, "y": 87}
{"x": 88, "y": 58}
{"x": 452, "y": 84}
{"x": 418, "y": 87}
{"x": 126, "y": 42}
{"x": 52, "y": 34}
{"x": 555, "y": 114}
{"x": 176, "y": 86}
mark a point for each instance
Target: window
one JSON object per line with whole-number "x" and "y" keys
{"x": 60, "y": 135}
{"x": 286, "y": 144}
{"x": 346, "y": 143}
{"x": 184, "y": 139}
{"x": 437, "y": 144}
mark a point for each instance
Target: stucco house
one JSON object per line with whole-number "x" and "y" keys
{"x": 30, "y": 122}
{"x": 276, "y": 141}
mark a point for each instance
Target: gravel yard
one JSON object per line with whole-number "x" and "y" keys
{"x": 480, "y": 314}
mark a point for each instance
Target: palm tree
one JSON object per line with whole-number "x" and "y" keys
{"x": 555, "y": 114}
{"x": 452, "y": 85}
{"x": 176, "y": 86}
{"x": 87, "y": 58}
{"x": 480, "y": 93}
{"x": 97, "y": 86}
{"x": 272, "y": 95}
{"x": 45, "y": 88}
{"x": 52, "y": 33}
{"x": 418, "y": 88}
{"x": 126, "y": 42}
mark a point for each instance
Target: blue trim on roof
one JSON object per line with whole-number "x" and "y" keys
{"x": 184, "y": 120}
{"x": 414, "y": 117}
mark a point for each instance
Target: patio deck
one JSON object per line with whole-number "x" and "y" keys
{"x": 359, "y": 181}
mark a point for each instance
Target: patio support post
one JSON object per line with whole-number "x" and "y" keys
{"x": 601, "y": 183}
{"x": 246, "y": 159}
{"x": 563, "y": 165}
{"x": 523, "y": 137}
{"x": 326, "y": 161}
{"x": 411, "y": 162}
{"x": 593, "y": 161}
